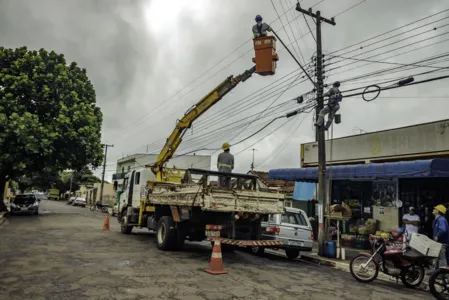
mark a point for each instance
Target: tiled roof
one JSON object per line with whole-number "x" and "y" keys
{"x": 287, "y": 186}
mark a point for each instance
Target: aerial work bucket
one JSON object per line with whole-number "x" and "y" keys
{"x": 266, "y": 56}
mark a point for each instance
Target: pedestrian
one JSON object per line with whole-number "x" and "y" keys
{"x": 225, "y": 164}
{"x": 331, "y": 107}
{"x": 411, "y": 222}
{"x": 261, "y": 28}
{"x": 441, "y": 234}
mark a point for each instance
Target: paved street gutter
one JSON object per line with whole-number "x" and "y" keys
{"x": 344, "y": 266}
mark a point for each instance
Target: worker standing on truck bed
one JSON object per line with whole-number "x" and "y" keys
{"x": 331, "y": 107}
{"x": 260, "y": 29}
{"x": 225, "y": 164}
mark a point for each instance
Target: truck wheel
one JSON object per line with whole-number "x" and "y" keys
{"x": 257, "y": 250}
{"x": 292, "y": 253}
{"x": 166, "y": 234}
{"x": 180, "y": 237}
{"x": 124, "y": 225}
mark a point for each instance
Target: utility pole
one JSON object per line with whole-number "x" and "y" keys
{"x": 252, "y": 164}
{"x": 71, "y": 179}
{"x": 321, "y": 195}
{"x": 104, "y": 169}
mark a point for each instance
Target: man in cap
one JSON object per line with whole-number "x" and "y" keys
{"x": 225, "y": 164}
{"x": 441, "y": 234}
{"x": 261, "y": 28}
{"x": 411, "y": 221}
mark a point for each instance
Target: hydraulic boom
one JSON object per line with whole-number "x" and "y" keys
{"x": 191, "y": 115}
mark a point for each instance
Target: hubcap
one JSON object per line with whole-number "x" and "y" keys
{"x": 161, "y": 233}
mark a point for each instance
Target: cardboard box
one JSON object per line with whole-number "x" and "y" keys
{"x": 424, "y": 245}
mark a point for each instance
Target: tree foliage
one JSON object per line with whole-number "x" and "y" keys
{"x": 49, "y": 120}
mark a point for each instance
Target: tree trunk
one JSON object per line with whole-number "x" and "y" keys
{"x": 3, "y": 207}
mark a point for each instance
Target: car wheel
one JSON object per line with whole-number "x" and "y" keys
{"x": 292, "y": 253}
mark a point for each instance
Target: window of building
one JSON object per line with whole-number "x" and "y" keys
{"x": 123, "y": 169}
{"x": 129, "y": 168}
{"x": 137, "y": 181}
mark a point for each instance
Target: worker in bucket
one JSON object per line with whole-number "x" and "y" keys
{"x": 225, "y": 164}
{"x": 260, "y": 29}
{"x": 331, "y": 107}
{"x": 441, "y": 234}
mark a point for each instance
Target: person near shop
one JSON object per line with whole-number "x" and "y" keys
{"x": 411, "y": 222}
{"x": 441, "y": 234}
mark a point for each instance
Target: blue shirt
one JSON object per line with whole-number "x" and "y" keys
{"x": 441, "y": 230}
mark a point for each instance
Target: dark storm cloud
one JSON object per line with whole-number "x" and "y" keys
{"x": 135, "y": 68}
{"x": 107, "y": 37}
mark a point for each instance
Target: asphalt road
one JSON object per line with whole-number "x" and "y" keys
{"x": 64, "y": 254}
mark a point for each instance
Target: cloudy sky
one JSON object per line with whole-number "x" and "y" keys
{"x": 150, "y": 60}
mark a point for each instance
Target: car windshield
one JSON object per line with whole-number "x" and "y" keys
{"x": 24, "y": 199}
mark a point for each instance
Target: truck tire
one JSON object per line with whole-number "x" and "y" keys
{"x": 166, "y": 234}
{"x": 292, "y": 253}
{"x": 259, "y": 251}
{"x": 180, "y": 237}
{"x": 124, "y": 225}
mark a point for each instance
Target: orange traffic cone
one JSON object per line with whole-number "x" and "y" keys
{"x": 216, "y": 261}
{"x": 106, "y": 223}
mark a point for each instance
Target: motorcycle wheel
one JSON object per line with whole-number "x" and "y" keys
{"x": 439, "y": 283}
{"x": 104, "y": 209}
{"x": 92, "y": 208}
{"x": 363, "y": 259}
{"x": 413, "y": 277}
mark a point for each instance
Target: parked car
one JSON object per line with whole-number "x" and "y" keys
{"x": 114, "y": 210}
{"x": 40, "y": 197}
{"x": 25, "y": 204}
{"x": 295, "y": 232}
{"x": 70, "y": 201}
{"x": 79, "y": 202}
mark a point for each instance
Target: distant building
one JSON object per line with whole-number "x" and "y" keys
{"x": 139, "y": 160}
{"x": 282, "y": 186}
{"x": 92, "y": 193}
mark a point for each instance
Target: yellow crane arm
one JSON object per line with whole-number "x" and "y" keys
{"x": 191, "y": 115}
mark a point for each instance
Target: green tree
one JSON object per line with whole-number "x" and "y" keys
{"x": 48, "y": 115}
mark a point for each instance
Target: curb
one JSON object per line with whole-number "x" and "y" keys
{"x": 2, "y": 218}
{"x": 342, "y": 266}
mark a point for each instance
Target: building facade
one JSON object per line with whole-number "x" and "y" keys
{"x": 379, "y": 175}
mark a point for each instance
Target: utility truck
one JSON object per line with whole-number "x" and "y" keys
{"x": 183, "y": 205}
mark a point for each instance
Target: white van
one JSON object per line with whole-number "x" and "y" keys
{"x": 295, "y": 232}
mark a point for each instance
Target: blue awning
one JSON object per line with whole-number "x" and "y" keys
{"x": 403, "y": 169}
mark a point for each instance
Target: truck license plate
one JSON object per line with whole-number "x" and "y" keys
{"x": 295, "y": 243}
{"x": 212, "y": 233}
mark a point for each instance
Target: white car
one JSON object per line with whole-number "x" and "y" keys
{"x": 295, "y": 232}
{"x": 79, "y": 202}
{"x": 115, "y": 210}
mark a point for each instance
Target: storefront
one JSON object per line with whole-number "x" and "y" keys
{"x": 381, "y": 193}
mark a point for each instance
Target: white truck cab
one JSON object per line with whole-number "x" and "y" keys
{"x": 295, "y": 232}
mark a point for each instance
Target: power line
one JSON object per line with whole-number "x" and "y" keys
{"x": 348, "y": 9}
{"x": 391, "y": 63}
{"x": 379, "y": 35}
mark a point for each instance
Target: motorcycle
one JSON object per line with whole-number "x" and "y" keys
{"x": 439, "y": 283}
{"x": 100, "y": 206}
{"x": 392, "y": 258}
